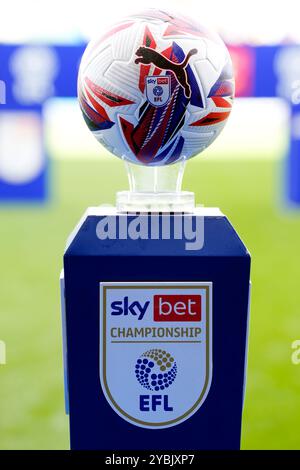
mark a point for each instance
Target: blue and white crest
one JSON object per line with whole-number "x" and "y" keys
{"x": 158, "y": 90}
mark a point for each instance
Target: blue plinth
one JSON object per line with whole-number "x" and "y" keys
{"x": 222, "y": 265}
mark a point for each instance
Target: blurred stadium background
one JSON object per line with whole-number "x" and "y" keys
{"x": 242, "y": 173}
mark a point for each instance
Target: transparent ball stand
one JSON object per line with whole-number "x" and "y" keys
{"x": 155, "y": 189}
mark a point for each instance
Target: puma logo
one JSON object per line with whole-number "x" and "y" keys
{"x": 146, "y": 55}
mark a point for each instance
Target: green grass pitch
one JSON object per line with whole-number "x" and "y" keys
{"x": 31, "y": 250}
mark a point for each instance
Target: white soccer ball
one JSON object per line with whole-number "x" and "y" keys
{"x": 156, "y": 89}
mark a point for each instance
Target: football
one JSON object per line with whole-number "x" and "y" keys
{"x": 156, "y": 88}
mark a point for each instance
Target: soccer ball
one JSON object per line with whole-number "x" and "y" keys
{"x": 156, "y": 88}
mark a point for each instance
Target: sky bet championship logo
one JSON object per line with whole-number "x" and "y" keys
{"x": 155, "y": 350}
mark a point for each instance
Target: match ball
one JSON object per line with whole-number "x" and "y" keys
{"x": 156, "y": 88}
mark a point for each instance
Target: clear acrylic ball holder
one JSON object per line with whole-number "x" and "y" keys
{"x": 155, "y": 189}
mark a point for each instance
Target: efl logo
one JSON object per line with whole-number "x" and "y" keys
{"x": 177, "y": 308}
{"x": 149, "y": 331}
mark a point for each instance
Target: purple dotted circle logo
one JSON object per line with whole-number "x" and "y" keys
{"x": 156, "y": 369}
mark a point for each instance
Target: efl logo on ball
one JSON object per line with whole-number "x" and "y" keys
{"x": 158, "y": 90}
